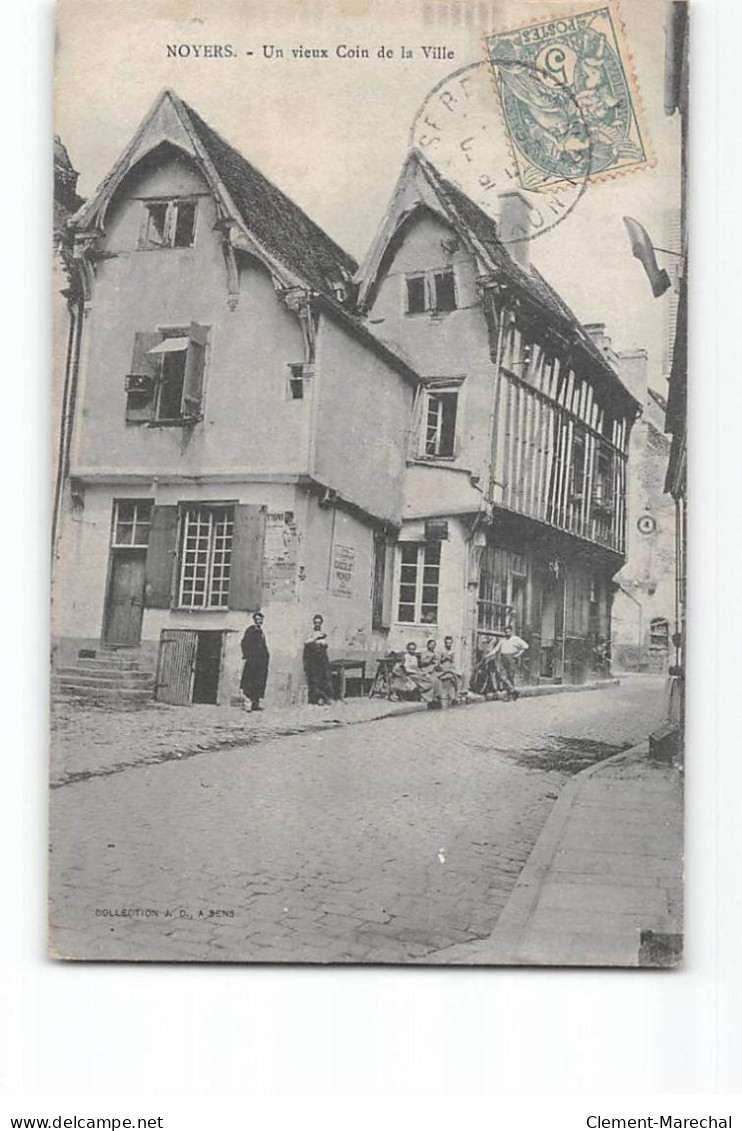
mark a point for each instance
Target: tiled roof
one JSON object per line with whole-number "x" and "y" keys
{"x": 484, "y": 230}
{"x": 276, "y": 222}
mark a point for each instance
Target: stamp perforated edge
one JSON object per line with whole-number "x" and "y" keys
{"x": 626, "y": 56}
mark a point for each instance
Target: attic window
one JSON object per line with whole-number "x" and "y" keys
{"x": 433, "y": 291}
{"x": 444, "y": 292}
{"x": 169, "y": 223}
{"x": 416, "y": 303}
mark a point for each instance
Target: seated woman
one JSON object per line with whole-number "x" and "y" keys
{"x": 409, "y": 679}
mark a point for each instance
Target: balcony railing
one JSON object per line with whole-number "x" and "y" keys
{"x": 556, "y": 468}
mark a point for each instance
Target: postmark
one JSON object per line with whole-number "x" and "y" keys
{"x": 460, "y": 129}
{"x": 569, "y": 99}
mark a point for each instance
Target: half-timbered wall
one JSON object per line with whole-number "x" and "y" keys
{"x": 559, "y": 455}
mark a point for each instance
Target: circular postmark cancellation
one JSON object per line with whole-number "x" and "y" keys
{"x": 461, "y": 130}
{"x": 547, "y": 112}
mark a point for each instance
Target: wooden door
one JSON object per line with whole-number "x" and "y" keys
{"x": 125, "y": 604}
{"x": 176, "y": 664}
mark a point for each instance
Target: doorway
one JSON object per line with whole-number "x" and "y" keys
{"x": 125, "y": 599}
{"x": 189, "y": 666}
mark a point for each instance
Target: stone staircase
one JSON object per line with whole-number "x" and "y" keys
{"x": 106, "y": 678}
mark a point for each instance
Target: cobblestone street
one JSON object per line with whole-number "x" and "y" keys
{"x": 384, "y": 841}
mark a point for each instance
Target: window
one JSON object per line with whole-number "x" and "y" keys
{"x": 296, "y": 382}
{"x": 419, "y": 582}
{"x": 659, "y": 634}
{"x": 577, "y": 466}
{"x": 444, "y": 291}
{"x": 440, "y": 423}
{"x": 169, "y": 223}
{"x": 431, "y": 290}
{"x": 166, "y": 380}
{"x": 603, "y": 485}
{"x": 131, "y": 519}
{"x": 416, "y": 294}
{"x": 205, "y": 557}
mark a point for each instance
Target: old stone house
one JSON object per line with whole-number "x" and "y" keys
{"x": 237, "y": 436}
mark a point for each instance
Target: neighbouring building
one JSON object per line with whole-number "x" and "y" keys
{"x": 235, "y": 436}
{"x": 516, "y": 487}
{"x": 676, "y": 419}
{"x": 644, "y": 598}
{"x": 65, "y": 203}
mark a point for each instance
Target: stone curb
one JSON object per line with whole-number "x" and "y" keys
{"x": 499, "y": 948}
{"x": 516, "y": 914}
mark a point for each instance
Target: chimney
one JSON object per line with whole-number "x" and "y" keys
{"x": 515, "y": 226}
{"x": 632, "y": 369}
{"x": 597, "y": 332}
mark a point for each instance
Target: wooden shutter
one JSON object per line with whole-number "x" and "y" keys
{"x": 161, "y": 554}
{"x": 140, "y": 396}
{"x": 248, "y": 542}
{"x": 193, "y": 383}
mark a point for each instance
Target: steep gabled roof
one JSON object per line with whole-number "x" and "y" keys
{"x": 276, "y": 222}
{"x": 272, "y": 223}
{"x": 480, "y": 231}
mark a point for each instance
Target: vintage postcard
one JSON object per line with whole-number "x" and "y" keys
{"x": 369, "y": 388}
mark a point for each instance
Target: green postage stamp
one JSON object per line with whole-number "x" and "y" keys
{"x": 569, "y": 98}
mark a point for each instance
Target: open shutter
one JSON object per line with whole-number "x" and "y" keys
{"x": 140, "y": 381}
{"x": 161, "y": 553}
{"x": 248, "y": 543}
{"x": 193, "y": 384}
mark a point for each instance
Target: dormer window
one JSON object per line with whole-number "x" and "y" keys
{"x": 432, "y": 291}
{"x": 168, "y": 224}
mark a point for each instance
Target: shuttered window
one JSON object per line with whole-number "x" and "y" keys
{"x": 166, "y": 381}
{"x": 205, "y": 557}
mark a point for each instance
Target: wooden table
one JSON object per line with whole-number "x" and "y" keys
{"x": 340, "y": 668}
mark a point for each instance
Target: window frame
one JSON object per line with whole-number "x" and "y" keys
{"x": 146, "y": 505}
{"x": 430, "y": 291}
{"x": 172, "y": 205}
{"x": 420, "y": 583}
{"x": 436, "y": 392}
{"x": 195, "y": 358}
{"x": 225, "y": 513}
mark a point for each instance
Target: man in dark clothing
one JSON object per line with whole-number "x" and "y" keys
{"x": 256, "y": 656}
{"x": 317, "y": 664}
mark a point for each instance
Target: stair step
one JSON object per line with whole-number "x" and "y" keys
{"x": 126, "y": 677}
{"x": 106, "y": 685}
{"x": 109, "y": 694}
{"x": 108, "y": 660}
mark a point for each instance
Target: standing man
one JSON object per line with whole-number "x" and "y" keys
{"x": 317, "y": 664}
{"x": 506, "y": 652}
{"x": 257, "y": 657}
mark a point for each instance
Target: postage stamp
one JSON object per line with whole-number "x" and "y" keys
{"x": 569, "y": 99}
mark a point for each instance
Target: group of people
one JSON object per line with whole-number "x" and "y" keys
{"x": 430, "y": 675}
{"x": 256, "y": 660}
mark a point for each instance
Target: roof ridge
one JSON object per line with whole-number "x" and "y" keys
{"x": 346, "y": 262}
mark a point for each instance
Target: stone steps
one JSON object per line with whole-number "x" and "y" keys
{"x": 123, "y": 677}
{"x": 110, "y": 695}
{"x": 105, "y": 677}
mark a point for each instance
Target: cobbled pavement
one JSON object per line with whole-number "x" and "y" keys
{"x": 386, "y": 841}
